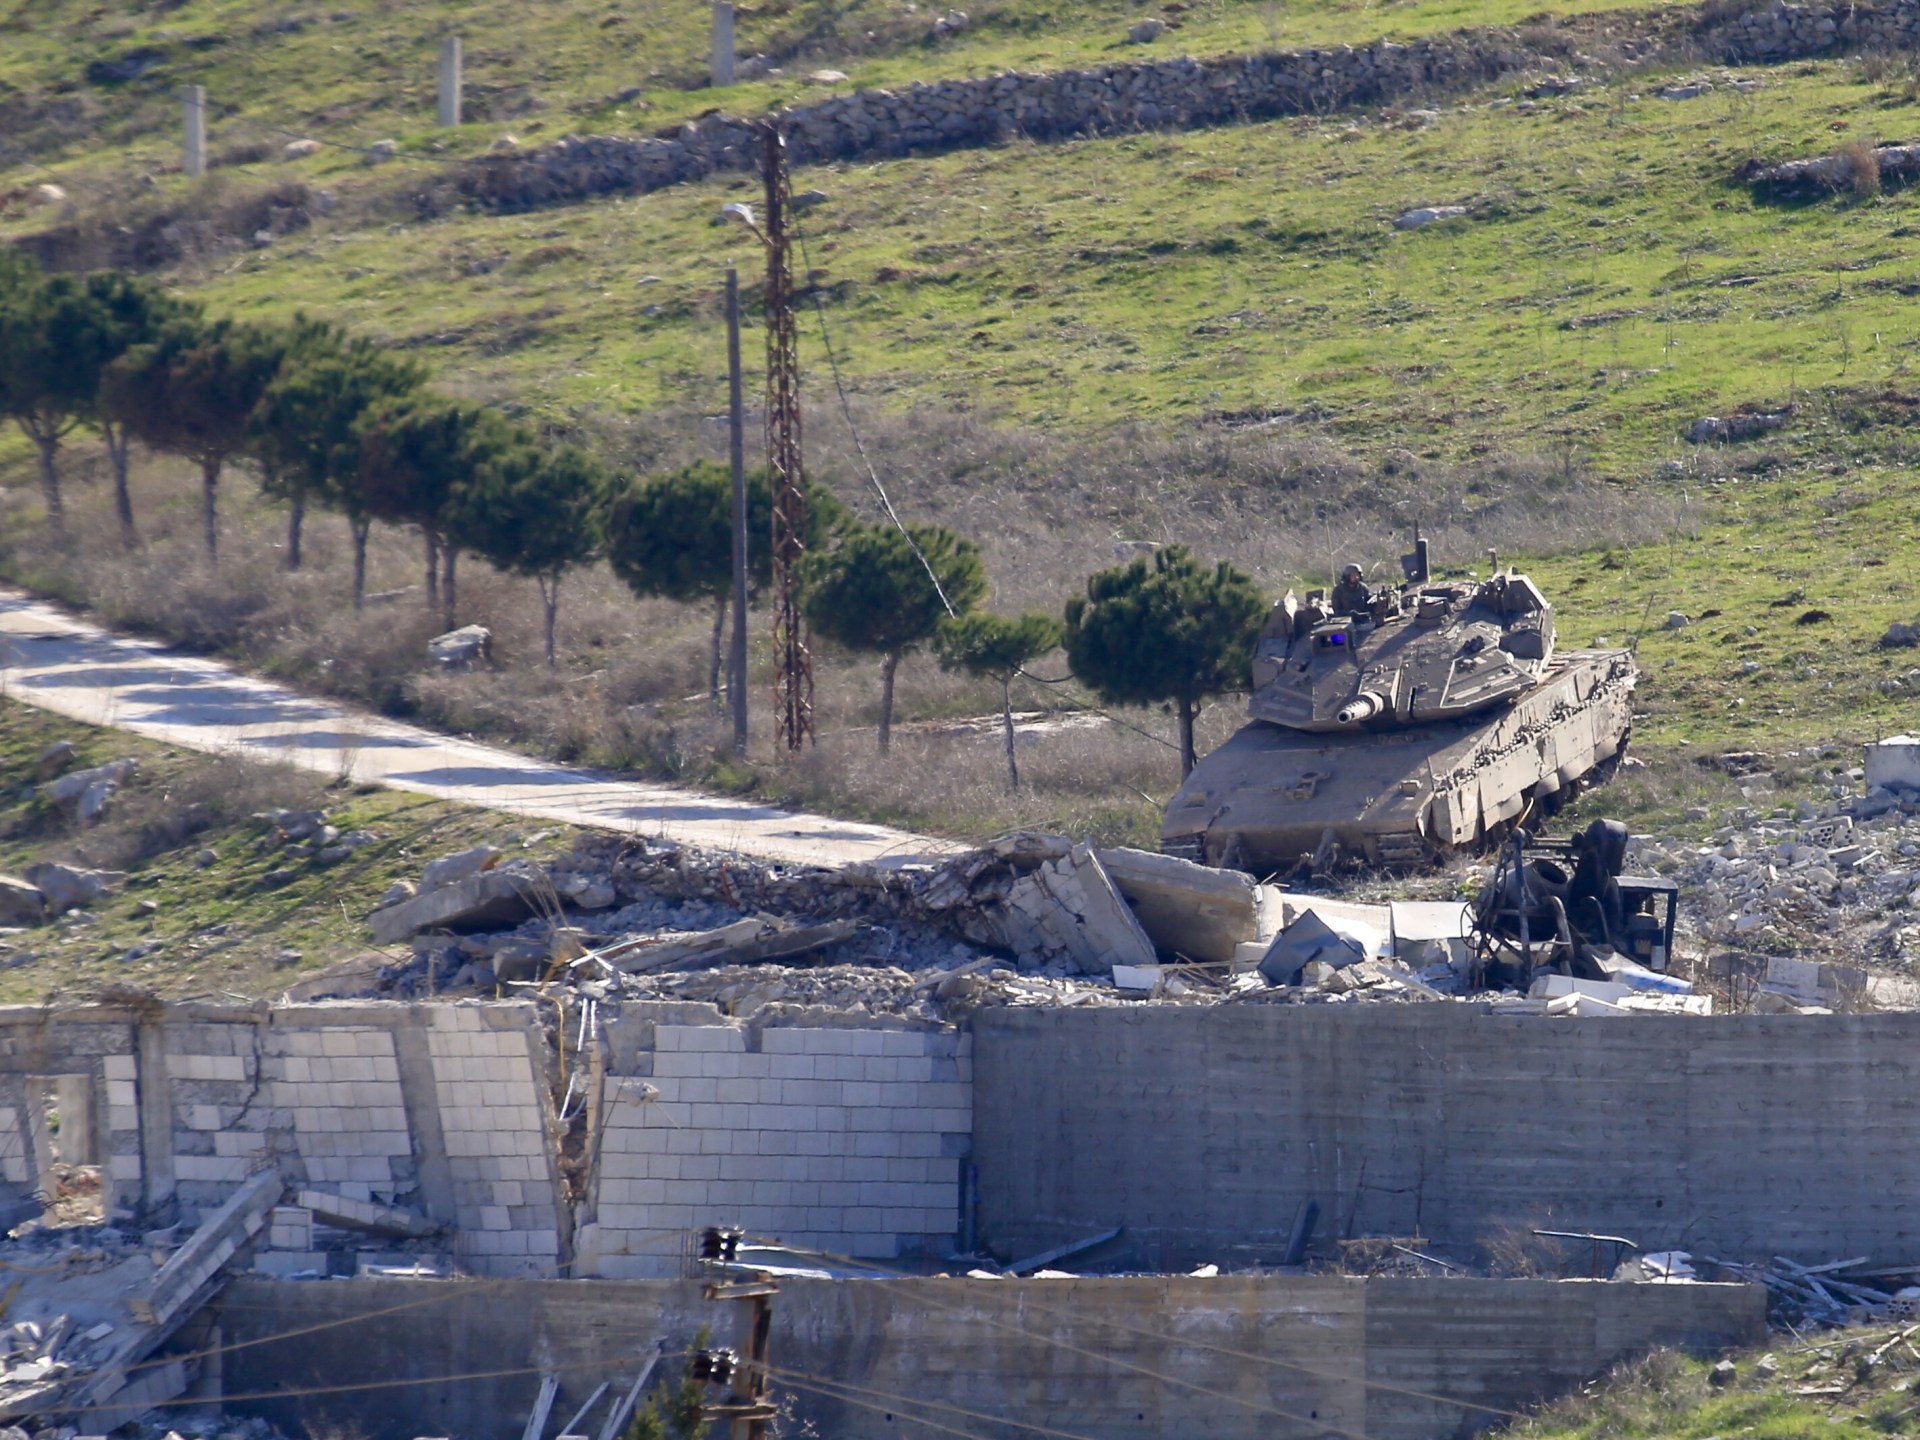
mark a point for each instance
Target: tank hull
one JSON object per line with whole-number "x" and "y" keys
{"x": 1272, "y": 795}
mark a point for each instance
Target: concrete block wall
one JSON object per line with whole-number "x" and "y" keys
{"x": 850, "y": 1141}
{"x": 1204, "y": 1132}
{"x": 494, "y": 1125}
{"x": 440, "y": 1109}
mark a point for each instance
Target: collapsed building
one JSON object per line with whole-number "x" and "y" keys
{"x": 1035, "y": 1110}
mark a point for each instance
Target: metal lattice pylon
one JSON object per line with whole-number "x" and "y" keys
{"x": 793, "y": 664}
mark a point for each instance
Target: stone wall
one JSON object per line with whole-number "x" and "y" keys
{"x": 440, "y": 1109}
{"x": 1206, "y": 1131}
{"x": 849, "y": 1141}
{"x": 1178, "y": 93}
{"x": 1126, "y": 1358}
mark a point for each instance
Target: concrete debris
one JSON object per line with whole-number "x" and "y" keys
{"x": 489, "y": 899}
{"x": 1069, "y": 907}
{"x": 462, "y": 865}
{"x": 1193, "y": 911}
{"x": 351, "y": 1214}
{"x": 745, "y": 942}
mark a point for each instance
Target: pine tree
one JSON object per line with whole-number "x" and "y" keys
{"x": 1169, "y": 630}
{"x": 992, "y": 645}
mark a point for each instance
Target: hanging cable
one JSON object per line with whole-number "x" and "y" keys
{"x": 846, "y": 410}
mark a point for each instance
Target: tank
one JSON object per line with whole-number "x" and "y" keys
{"x": 1420, "y": 719}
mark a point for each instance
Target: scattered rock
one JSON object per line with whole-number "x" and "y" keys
{"x": 827, "y": 77}
{"x": 461, "y": 649}
{"x": 66, "y": 888}
{"x": 1901, "y": 635}
{"x": 1678, "y": 620}
{"x": 1713, "y": 430}
{"x": 278, "y": 879}
{"x": 21, "y": 902}
{"x": 951, "y": 23}
{"x": 398, "y": 891}
{"x": 381, "y": 151}
{"x": 504, "y": 145}
{"x": 300, "y": 149}
{"x": 205, "y": 858}
{"x": 1146, "y": 31}
{"x": 1427, "y": 215}
{"x": 462, "y": 865}
{"x": 47, "y": 195}
{"x": 1724, "y": 1373}
{"x": 1684, "y": 92}
{"x": 88, "y": 791}
{"x": 55, "y": 758}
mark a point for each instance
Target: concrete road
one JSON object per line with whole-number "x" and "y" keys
{"x": 51, "y": 660}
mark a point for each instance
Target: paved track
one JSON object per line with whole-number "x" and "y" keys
{"x": 51, "y": 660}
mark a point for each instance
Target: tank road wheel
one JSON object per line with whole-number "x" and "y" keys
{"x": 1609, "y": 767}
{"x": 1404, "y": 852}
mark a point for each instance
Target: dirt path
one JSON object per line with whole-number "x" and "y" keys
{"x": 51, "y": 660}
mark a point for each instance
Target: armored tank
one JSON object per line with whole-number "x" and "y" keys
{"x": 1398, "y": 723}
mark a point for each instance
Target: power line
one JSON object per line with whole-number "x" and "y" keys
{"x": 846, "y": 409}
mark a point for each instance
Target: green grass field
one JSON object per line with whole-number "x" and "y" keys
{"x": 1546, "y": 353}
{"x": 349, "y": 76}
{"x": 183, "y": 925}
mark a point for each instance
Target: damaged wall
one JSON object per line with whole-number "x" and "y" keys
{"x": 1088, "y": 1354}
{"x": 440, "y": 1109}
{"x": 1205, "y": 1131}
{"x": 835, "y": 1138}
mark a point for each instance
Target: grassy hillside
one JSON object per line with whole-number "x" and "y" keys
{"x": 1853, "y": 1384}
{"x": 209, "y": 907}
{"x": 1215, "y": 337}
{"x": 93, "y": 91}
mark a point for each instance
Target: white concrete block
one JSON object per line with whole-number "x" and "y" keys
{"x": 119, "y": 1067}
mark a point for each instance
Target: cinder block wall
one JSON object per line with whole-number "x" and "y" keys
{"x": 1204, "y": 1131}
{"x": 849, "y": 1141}
{"x": 443, "y": 1109}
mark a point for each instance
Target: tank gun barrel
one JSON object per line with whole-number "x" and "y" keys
{"x": 1363, "y": 706}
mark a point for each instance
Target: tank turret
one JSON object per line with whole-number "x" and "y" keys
{"x": 1396, "y": 723}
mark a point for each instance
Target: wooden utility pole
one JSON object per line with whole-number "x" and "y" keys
{"x": 736, "y": 412}
{"x": 744, "y": 1373}
{"x": 793, "y": 665}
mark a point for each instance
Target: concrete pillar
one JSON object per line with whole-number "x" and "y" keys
{"x": 195, "y": 162}
{"x": 451, "y": 55}
{"x": 722, "y": 62}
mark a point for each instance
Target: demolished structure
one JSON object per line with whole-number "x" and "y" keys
{"x": 1037, "y": 1054}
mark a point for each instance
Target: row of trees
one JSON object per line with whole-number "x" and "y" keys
{"x": 327, "y": 420}
{"x": 332, "y": 422}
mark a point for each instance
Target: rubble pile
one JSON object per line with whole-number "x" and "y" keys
{"x": 1831, "y": 884}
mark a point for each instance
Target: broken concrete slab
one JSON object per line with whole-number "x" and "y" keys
{"x": 1070, "y": 908}
{"x": 461, "y": 865}
{"x": 1894, "y": 763}
{"x": 1429, "y": 932}
{"x": 209, "y": 1248}
{"x": 490, "y": 900}
{"x": 1192, "y": 910}
{"x": 1308, "y": 940}
{"x": 351, "y": 1214}
{"x": 741, "y": 943}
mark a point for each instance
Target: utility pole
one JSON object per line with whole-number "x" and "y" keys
{"x": 793, "y": 665}
{"x": 194, "y": 141}
{"x": 744, "y": 1373}
{"x": 736, "y": 412}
